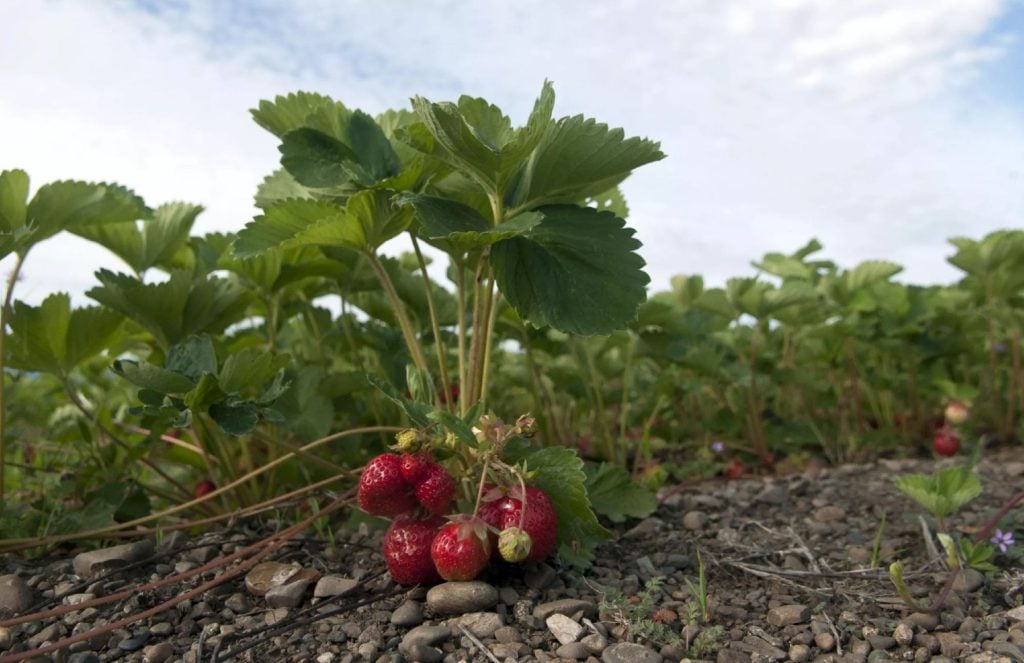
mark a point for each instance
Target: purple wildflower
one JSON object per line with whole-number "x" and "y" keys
{"x": 718, "y": 446}
{"x": 1002, "y": 540}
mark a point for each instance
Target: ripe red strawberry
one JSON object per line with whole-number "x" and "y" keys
{"x": 735, "y": 469}
{"x": 540, "y": 521}
{"x": 414, "y": 467}
{"x": 407, "y": 550}
{"x": 382, "y": 489}
{"x": 204, "y": 487}
{"x": 436, "y": 489}
{"x": 461, "y": 549}
{"x": 946, "y": 442}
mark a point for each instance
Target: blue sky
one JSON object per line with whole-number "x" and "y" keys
{"x": 882, "y": 127}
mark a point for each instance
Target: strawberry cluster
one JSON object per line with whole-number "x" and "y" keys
{"x": 422, "y": 547}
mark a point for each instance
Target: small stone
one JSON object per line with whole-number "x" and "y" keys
{"x": 6, "y": 639}
{"x": 134, "y": 643}
{"x": 968, "y": 580}
{"x": 334, "y": 585}
{"x": 508, "y": 595}
{"x": 829, "y": 514}
{"x": 567, "y": 607}
{"x": 275, "y": 616}
{"x": 826, "y": 642}
{"x": 265, "y": 575}
{"x": 326, "y": 657}
{"x": 644, "y": 529}
{"x": 773, "y": 494}
{"x": 540, "y": 576}
{"x": 695, "y": 520}
{"x": 425, "y": 635}
{"x": 238, "y": 603}
{"x": 799, "y": 653}
{"x": 158, "y": 653}
{"x": 407, "y": 615}
{"x": 95, "y": 562}
{"x": 75, "y": 599}
{"x": 288, "y": 595}
{"x": 481, "y": 624}
{"x": 203, "y": 554}
{"x": 595, "y": 642}
{"x": 1016, "y": 614}
{"x": 51, "y": 633}
{"x": 630, "y": 652}
{"x": 573, "y": 650}
{"x": 161, "y": 629}
{"x": 950, "y": 644}
{"x": 565, "y": 629}
{"x": 508, "y": 635}
{"x": 903, "y": 634}
{"x": 786, "y": 615}
{"x": 923, "y": 620}
{"x": 425, "y": 654}
{"x": 453, "y": 598}
{"x": 882, "y": 642}
{"x": 15, "y": 595}
{"x": 84, "y": 657}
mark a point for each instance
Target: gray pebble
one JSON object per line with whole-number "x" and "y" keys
{"x": 566, "y": 607}
{"x": 238, "y": 603}
{"x": 84, "y": 657}
{"x": 695, "y": 520}
{"x": 481, "y": 624}
{"x": 288, "y": 595}
{"x": 6, "y": 639}
{"x": 540, "y": 576}
{"x": 15, "y": 595}
{"x": 785, "y": 615}
{"x": 161, "y": 629}
{"x": 595, "y": 642}
{"x": 630, "y": 652}
{"x": 565, "y": 629}
{"x": 424, "y": 654}
{"x": 453, "y": 598}
{"x": 334, "y": 585}
{"x": 158, "y": 653}
{"x": 134, "y": 643}
{"x": 574, "y": 650}
{"x": 799, "y": 653}
{"x": 94, "y": 562}
{"x": 407, "y": 615}
{"x": 427, "y": 634}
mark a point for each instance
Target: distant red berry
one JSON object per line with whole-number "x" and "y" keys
{"x": 204, "y": 487}
{"x": 407, "y": 550}
{"x": 946, "y": 442}
{"x": 735, "y": 469}
{"x": 382, "y": 489}
{"x": 461, "y": 549}
{"x": 540, "y": 520}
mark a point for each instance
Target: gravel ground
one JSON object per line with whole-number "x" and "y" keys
{"x": 788, "y": 565}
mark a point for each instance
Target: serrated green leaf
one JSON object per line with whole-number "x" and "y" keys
{"x": 577, "y": 271}
{"x": 942, "y": 494}
{"x": 193, "y": 357}
{"x": 175, "y": 309}
{"x": 580, "y": 157}
{"x": 155, "y": 243}
{"x": 870, "y": 271}
{"x": 302, "y": 109}
{"x": 39, "y": 334}
{"x": 317, "y": 160}
{"x": 462, "y": 146}
{"x": 308, "y": 412}
{"x": 278, "y": 186}
{"x": 206, "y": 392}
{"x": 282, "y": 224}
{"x": 613, "y": 494}
{"x": 66, "y": 205}
{"x": 237, "y": 419}
{"x": 249, "y": 369}
{"x": 559, "y": 472}
{"x": 418, "y": 413}
{"x": 13, "y": 200}
{"x": 372, "y": 147}
{"x": 611, "y": 200}
{"x": 461, "y": 227}
{"x": 454, "y": 424}
{"x": 154, "y": 378}
{"x": 90, "y": 331}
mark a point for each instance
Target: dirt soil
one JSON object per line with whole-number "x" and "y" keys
{"x": 792, "y": 567}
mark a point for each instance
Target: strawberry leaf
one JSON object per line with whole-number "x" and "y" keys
{"x": 614, "y": 494}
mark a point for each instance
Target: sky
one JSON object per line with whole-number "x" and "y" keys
{"x": 881, "y": 127}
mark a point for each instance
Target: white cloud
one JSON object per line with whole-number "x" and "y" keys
{"x": 843, "y": 120}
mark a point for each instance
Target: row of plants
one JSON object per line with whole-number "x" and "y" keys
{"x": 235, "y": 367}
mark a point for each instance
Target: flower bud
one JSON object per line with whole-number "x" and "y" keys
{"x": 514, "y": 544}
{"x": 527, "y": 425}
{"x": 408, "y": 440}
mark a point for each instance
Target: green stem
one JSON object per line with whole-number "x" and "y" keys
{"x": 415, "y": 350}
{"x": 4, "y": 312}
{"x": 435, "y": 326}
{"x": 476, "y": 341}
{"x": 492, "y": 315}
{"x": 460, "y": 286}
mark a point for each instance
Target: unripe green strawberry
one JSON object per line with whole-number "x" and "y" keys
{"x": 461, "y": 549}
{"x": 514, "y": 544}
{"x": 382, "y": 489}
{"x": 540, "y": 520}
{"x": 407, "y": 550}
{"x": 956, "y": 413}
